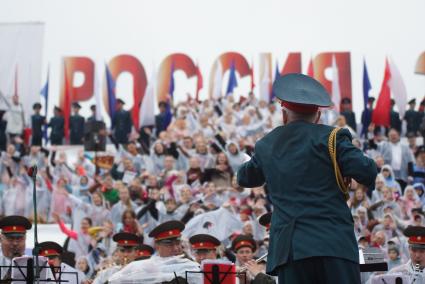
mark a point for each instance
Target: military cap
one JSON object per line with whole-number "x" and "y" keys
{"x": 301, "y": 93}
{"x": 346, "y": 101}
{"x": 120, "y": 101}
{"x": 416, "y": 235}
{"x": 412, "y": 101}
{"x": 144, "y": 252}
{"x": 243, "y": 241}
{"x": 126, "y": 239}
{"x": 36, "y": 106}
{"x": 204, "y": 242}
{"x": 167, "y": 231}
{"x": 50, "y": 249}
{"x": 14, "y": 225}
{"x": 265, "y": 220}
{"x": 76, "y": 105}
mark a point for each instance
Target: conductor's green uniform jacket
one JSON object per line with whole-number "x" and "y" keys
{"x": 311, "y": 217}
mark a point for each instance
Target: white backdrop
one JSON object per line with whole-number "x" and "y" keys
{"x": 151, "y": 30}
{"x": 21, "y": 47}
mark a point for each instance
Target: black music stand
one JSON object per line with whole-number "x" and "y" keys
{"x": 26, "y": 273}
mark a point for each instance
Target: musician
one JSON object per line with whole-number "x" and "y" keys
{"x": 60, "y": 270}
{"x": 144, "y": 252}
{"x": 167, "y": 238}
{"x": 244, "y": 248}
{"x": 311, "y": 224}
{"x": 204, "y": 246}
{"x": 12, "y": 240}
{"x": 414, "y": 268}
{"x": 255, "y": 268}
{"x": 126, "y": 245}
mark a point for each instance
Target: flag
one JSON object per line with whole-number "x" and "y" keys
{"x": 310, "y": 68}
{"x": 366, "y": 85}
{"x": 366, "y": 88}
{"x": 170, "y": 98}
{"x": 233, "y": 82}
{"x": 218, "y": 78}
{"x": 15, "y": 91}
{"x": 265, "y": 81}
{"x": 276, "y": 76}
{"x": 381, "y": 113}
{"x": 146, "y": 114}
{"x": 252, "y": 77}
{"x": 398, "y": 89}
{"x": 199, "y": 82}
{"x": 67, "y": 102}
{"x": 97, "y": 94}
{"x": 45, "y": 94}
{"x": 4, "y": 103}
{"x": 110, "y": 85}
{"x": 220, "y": 223}
{"x": 336, "y": 92}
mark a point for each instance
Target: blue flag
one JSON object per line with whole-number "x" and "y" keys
{"x": 45, "y": 94}
{"x": 276, "y": 76}
{"x": 171, "y": 87}
{"x": 366, "y": 85}
{"x": 367, "y": 116}
{"x": 168, "y": 113}
{"x": 233, "y": 82}
{"x": 110, "y": 84}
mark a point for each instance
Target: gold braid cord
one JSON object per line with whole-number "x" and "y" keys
{"x": 332, "y": 152}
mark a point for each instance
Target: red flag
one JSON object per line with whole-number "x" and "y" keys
{"x": 381, "y": 113}
{"x": 67, "y": 103}
{"x": 252, "y": 77}
{"x": 310, "y": 69}
{"x": 199, "y": 82}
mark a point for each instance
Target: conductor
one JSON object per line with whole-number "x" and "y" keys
{"x": 311, "y": 235}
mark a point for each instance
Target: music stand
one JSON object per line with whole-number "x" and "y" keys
{"x": 371, "y": 260}
{"x": 23, "y": 271}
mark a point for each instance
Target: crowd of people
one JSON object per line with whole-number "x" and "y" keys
{"x": 178, "y": 177}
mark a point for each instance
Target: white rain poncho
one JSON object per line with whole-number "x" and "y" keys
{"x": 157, "y": 270}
